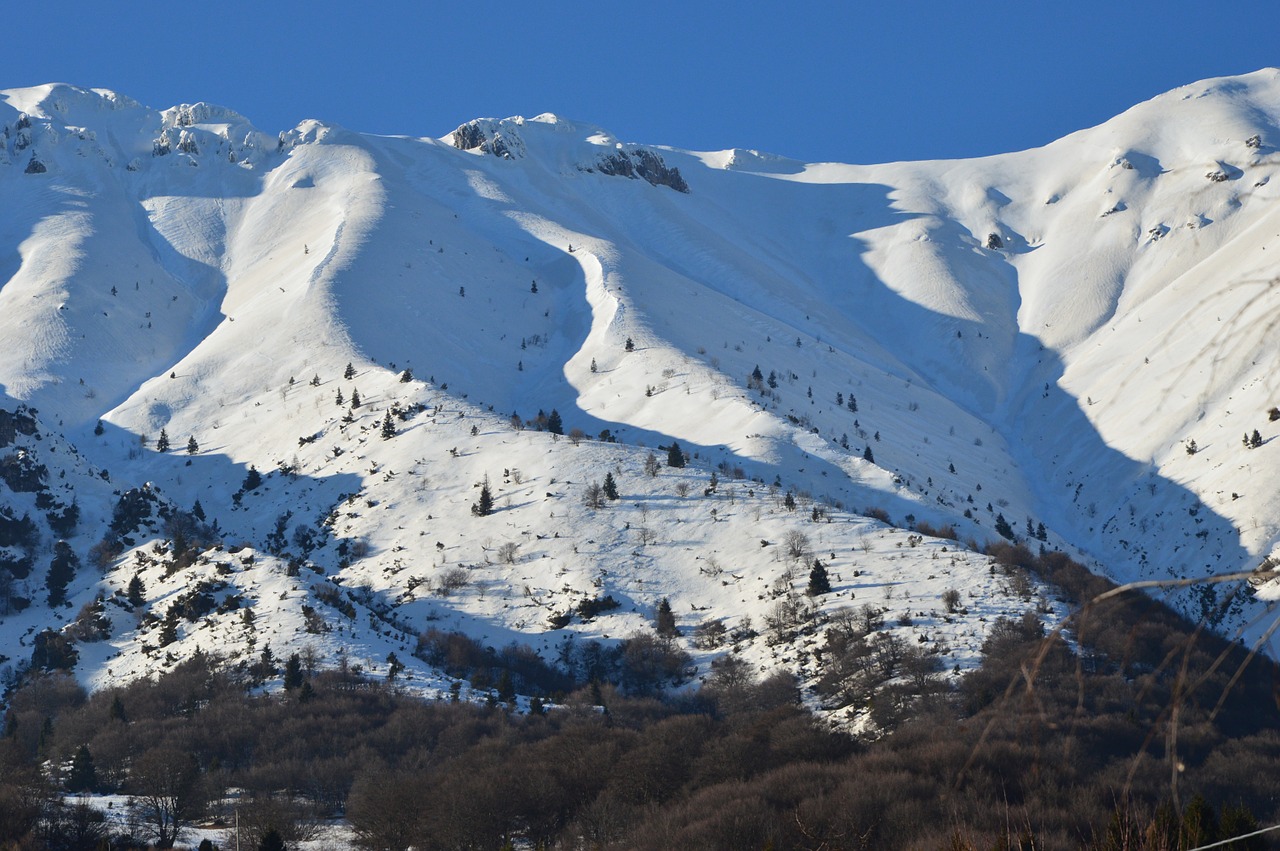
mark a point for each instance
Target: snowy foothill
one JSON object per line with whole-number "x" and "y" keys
{"x": 1062, "y": 346}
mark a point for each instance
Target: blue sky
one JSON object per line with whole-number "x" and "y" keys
{"x": 854, "y": 82}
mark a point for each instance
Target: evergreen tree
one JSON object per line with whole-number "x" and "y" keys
{"x": 789, "y": 501}
{"x": 192, "y": 446}
{"x": 252, "y": 479}
{"x": 83, "y": 776}
{"x": 98, "y": 429}
{"x": 554, "y": 425}
{"x": 339, "y": 398}
{"x": 1003, "y": 528}
{"x": 315, "y": 380}
{"x": 61, "y": 571}
{"x": 136, "y": 592}
{"x": 1255, "y": 440}
{"x": 197, "y": 511}
{"x": 610, "y": 486}
{"x": 819, "y": 582}
{"x": 675, "y": 456}
{"x": 483, "y": 507}
{"x": 293, "y": 672}
{"x": 757, "y": 374}
{"x": 664, "y": 620}
{"x": 630, "y": 346}
{"x": 533, "y": 288}
{"x": 394, "y": 667}
{"x": 349, "y": 373}
{"x": 271, "y": 841}
{"x": 406, "y": 376}
{"x": 868, "y": 455}
{"x": 162, "y": 443}
{"x": 506, "y": 687}
{"x": 355, "y": 398}
{"x": 388, "y": 427}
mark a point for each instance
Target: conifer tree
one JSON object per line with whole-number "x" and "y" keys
{"x": 483, "y": 507}
{"x": 136, "y": 592}
{"x": 819, "y": 582}
{"x": 252, "y": 479}
{"x": 339, "y": 399}
{"x": 192, "y": 446}
{"x": 83, "y": 776}
{"x": 675, "y": 456}
{"x": 664, "y": 620}
{"x": 197, "y": 511}
{"x": 293, "y": 672}
{"x": 406, "y": 376}
{"x": 355, "y": 399}
{"x": 388, "y": 427}
{"x": 868, "y": 455}
{"x": 61, "y": 571}
{"x": 554, "y": 424}
{"x": 610, "y": 486}
{"x": 162, "y": 442}
{"x": 349, "y": 373}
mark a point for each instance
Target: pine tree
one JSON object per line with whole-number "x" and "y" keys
{"x": 610, "y": 486}
{"x": 137, "y": 592}
{"x": 355, "y": 399}
{"x": 1255, "y": 440}
{"x": 406, "y": 376}
{"x": 675, "y": 456}
{"x": 388, "y": 427}
{"x": 339, "y": 399}
{"x": 554, "y": 424}
{"x": 868, "y": 455}
{"x": 819, "y": 582}
{"x": 1003, "y": 528}
{"x": 271, "y": 841}
{"x": 98, "y": 429}
{"x": 293, "y": 673}
{"x": 349, "y": 373}
{"x": 61, "y": 571}
{"x": 162, "y": 442}
{"x": 664, "y": 620}
{"x": 394, "y": 667}
{"x": 83, "y": 776}
{"x": 192, "y": 446}
{"x": 252, "y": 479}
{"x": 483, "y": 507}
{"x": 789, "y": 501}
{"x": 630, "y": 346}
{"x": 315, "y": 380}
{"x": 197, "y": 511}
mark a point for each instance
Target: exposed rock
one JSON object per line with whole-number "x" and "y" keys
{"x": 994, "y": 241}
{"x": 35, "y": 166}
{"x": 642, "y": 163}
{"x": 14, "y": 423}
{"x": 487, "y": 138}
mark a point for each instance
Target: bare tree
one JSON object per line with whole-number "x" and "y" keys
{"x": 593, "y": 497}
{"x": 508, "y": 552}
{"x": 165, "y": 783}
{"x": 797, "y": 543}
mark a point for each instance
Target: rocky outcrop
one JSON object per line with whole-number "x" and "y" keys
{"x": 644, "y": 164}
{"x": 487, "y": 137}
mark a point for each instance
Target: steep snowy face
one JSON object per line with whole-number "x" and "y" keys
{"x": 1022, "y": 345}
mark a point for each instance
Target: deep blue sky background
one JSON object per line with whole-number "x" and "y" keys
{"x": 854, "y": 82}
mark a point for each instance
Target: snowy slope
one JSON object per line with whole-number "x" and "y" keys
{"x": 1035, "y": 336}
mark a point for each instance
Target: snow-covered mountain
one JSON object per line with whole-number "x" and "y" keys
{"x": 1072, "y": 340}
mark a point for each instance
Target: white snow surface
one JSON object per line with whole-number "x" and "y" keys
{"x": 1054, "y": 325}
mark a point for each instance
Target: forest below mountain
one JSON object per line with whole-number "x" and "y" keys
{"x": 1129, "y": 729}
